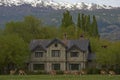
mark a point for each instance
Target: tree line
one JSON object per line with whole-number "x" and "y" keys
{"x": 85, "y": 23}
{"x": 16, "y": 36}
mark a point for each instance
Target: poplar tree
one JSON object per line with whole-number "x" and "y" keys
{"x": 79, "y": 21}
{"x": 83, "y": 22}
{"x": 67, "y": 19}
{"x": 87, "y": 25}
{"x": 94, "y": 27}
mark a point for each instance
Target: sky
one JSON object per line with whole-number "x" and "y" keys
{"x": 114, "y": 3}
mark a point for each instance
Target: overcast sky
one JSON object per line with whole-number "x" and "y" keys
{"x": 106, "y": 2}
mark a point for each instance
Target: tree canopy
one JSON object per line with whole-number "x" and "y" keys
{"x": 13, "y": 50}
{"x": 67, "y": 19}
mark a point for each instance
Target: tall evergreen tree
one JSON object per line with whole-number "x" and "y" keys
{"x": 67, "y": 19}
{"x": 95, "y": 27}
{"x": 88, "y": 26}
{"x": 79, "y": 21}
{"x": 83, "y": 22}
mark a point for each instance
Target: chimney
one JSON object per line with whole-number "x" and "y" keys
{"x": 104, "y": 46}
{"x": 65, "y": 36}
{"x": 65, "y": 39}
{"x": 81, "y": 36}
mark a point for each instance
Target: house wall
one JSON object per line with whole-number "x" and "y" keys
{"x": 61, "y": 60}
{"x": 62, "y": 53}
{"x": 81, "y": 59}
{"x": 37, "y": 59}
{"x": 49, "y": 66}
{"x": 82, "y": 65}
{"x": 36, "y": 62}
{"x": 47, "y": 59}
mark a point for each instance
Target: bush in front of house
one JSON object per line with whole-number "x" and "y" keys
{"x": 93, "y": 71}
{"x": 59, "y": 72}
{"x": 37, "y": 72}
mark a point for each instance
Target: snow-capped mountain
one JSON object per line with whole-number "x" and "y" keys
{"x": 54, "y": 5}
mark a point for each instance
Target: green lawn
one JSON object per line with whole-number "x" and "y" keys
{"x": 59, "y": 77}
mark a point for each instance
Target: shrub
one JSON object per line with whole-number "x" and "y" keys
{"x": 59, "y": 72}
{"x": 37, "y": 72}
{"x": 93, "y": 71}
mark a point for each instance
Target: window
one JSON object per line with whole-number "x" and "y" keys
{"x": 55, "y": 66}
{"x": 56, "y": 45}
{"x": 38, "y": 54}
{"x": 38, "y": 66}
{"x": 55, "y": 53}
{"x": 74, "y": 66}
{"x": 74, "y": 54}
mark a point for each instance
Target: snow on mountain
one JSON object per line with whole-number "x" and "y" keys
{"x": 55, "y": 5}
{"x": 11, "y": 2}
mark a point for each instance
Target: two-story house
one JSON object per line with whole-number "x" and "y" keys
{"x": 58, "y": 54}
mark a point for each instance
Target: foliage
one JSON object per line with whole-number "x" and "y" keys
{"x": 1, "y": 32}
{"x": 37, "y": 73}
{"x": 27, "y": 29}
{"x": 59, "y": 72}
{"x": 13, "y": 50}
{"x": 93, "y": 71}
{"x": 94, "y": 27}
{"x": 87, "y": 26}
{"x": 79, "y": 21}
{"x": 107, "y": 53}
{"x": 67, "y": 19}
{"x": 48, "y": 32}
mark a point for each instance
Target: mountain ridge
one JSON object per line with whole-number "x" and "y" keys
{"x": 55, "y": 5}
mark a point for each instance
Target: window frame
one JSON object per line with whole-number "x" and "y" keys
{"x": 56, "y": 66}
{"x": 55, "y": 53}
{"x": 39, "y": 66}
{"x": 72, "y": 66}
{"x": 74, "y": 54}
{"x": 39, "y": 54}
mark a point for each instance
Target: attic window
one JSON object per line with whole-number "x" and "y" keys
{"x": 56, "y": 45}
{"x": 38, "y": 54}
{"x": 74, "y": 54}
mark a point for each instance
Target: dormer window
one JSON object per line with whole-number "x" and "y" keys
{"x": 38, "y": 54}
{"x": 74, "y": 54}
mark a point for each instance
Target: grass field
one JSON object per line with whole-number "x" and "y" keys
{"x": 59, "y": 77}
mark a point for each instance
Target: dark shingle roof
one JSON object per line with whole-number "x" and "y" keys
{"x": 41, "y": 42}
{"x": 82, "y": 44}
{"x": 57, "y": 41}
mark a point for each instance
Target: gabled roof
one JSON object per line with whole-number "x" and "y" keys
{"x": 56, "y": 41}
{"x": 42, "y": 42}
{"x": 40, "y": 47}
{"x": 81, "y": 44}
{"x": 73, "y": 47}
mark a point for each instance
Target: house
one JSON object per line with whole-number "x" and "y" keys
{"x": 59, "y": 54}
